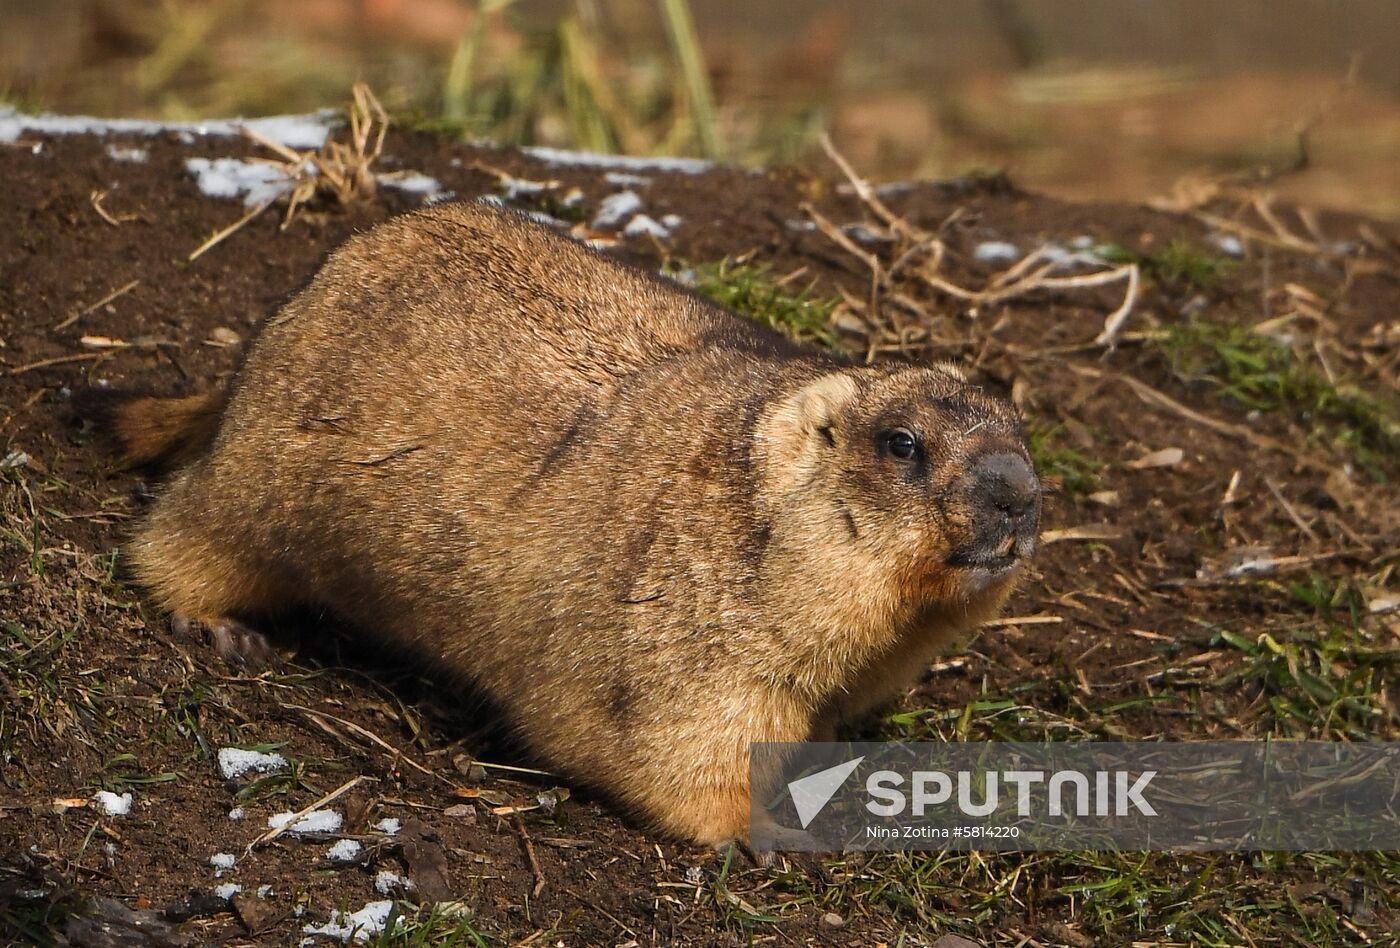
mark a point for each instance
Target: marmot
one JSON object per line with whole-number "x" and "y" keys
{"x": 649, "y": 530}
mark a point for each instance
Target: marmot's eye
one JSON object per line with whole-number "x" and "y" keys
{"x": 902, "y": 444}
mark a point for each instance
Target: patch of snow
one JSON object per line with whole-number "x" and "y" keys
{"x": 672, "y": 221}
{"x": 255, "y": 181}
{"x": 413, "y": 182}
{"x": 317, "y": 821}
{"x": 1263, "y": 565}
{"x": 996, "y": 251}
{"x": 388, "y": 825}
{"x": 264, "y": 891}
{"x": 124, "y": 153}
{"x": 624, "y": 180}
{"x": 515, "y": 188}
{"x": 1228, "y": 243}
{"x": 1063, "y": 259}
{"x": 589, "y": 159}
{"x": 234, "y": 762}
{"x": 355, "y": 926}
{"x": 641, "y": 225}
{"x": 345, "y": 850}
{"x": 237, "y": 813}
{"x": 294, "y": 131}
{"x": 616, "y": 208}
{"x": 896, "y": 187}
{"x": 222, "y": 861}
{"x": 387, "y": 883}
{"x": 113, "y": 804}
{"x": 228, "y": 890}
{"x": 864, "y": 234}
{"x": 15, "y": 458}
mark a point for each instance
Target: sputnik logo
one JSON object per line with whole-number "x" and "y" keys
{"x": 814, "y": 791}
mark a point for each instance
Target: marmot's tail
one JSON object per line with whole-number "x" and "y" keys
{"x": 168, "y": 431}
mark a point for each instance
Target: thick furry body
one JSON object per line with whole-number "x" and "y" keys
{"x": 649, "y": 531}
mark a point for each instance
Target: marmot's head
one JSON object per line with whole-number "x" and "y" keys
{"x": 908, "y": 474}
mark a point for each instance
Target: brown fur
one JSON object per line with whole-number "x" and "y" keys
{"x": 650, "y": 531}
{"x": 166, "y": 430}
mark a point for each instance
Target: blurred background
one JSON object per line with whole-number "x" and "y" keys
{"x": 1106, "y": 99}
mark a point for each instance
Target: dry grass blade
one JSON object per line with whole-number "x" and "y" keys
{"x": 57, "y": 360}
{"x": 321, "y": 718}
{"x": 1153, "y": 397}
{"x": 115, "y": 294}
{"x": 228, "y": 231}
{"x": 340, "y": 172}
{"x": 334, "y": 795}
{"x": 871, "y": 199}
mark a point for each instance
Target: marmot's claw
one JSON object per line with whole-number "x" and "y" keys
{"x": 233, "y": 641}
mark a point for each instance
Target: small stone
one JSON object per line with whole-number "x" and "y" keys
{"x": 832, "y": 920}
{"x": 956, "y": 941}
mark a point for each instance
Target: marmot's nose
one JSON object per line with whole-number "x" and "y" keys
{"x": 1004, "y": 483}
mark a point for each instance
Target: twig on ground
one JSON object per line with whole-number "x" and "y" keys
{"x": 1289, "y": 509}
{"x": 56, "y": 360}
{"x": 115, "y": 294}
{"x": 530, "y": 855}
{"x": 1088, "y": 531}
{"x": 872, "y": 200}
{"x": 116, "y": 220}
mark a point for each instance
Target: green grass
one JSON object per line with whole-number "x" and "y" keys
{"x": 752, "y": 291}
{"x": 433, "y": 928}
{"x": 35, "y": 915}
{"x": 1261, "y": 374}
{"x": 1323, "y": 679}
{"x": 1110, "y": 898}
{"x": 1180, "y": 264}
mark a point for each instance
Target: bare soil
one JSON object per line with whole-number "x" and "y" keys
{"x": 1125, "y": 620}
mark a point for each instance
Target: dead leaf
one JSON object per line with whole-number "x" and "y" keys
{"x": 1167, "y": 457}
{"x": 255, "y": 914}
{"x": 427, "y": 862}
{"x": 1379, "y": 603}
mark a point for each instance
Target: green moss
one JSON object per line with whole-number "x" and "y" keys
{"x": 1075, "y": 471}
{"x": 752, "y": 291}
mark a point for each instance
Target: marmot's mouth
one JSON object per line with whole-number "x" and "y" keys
{"x": 995, "y": 554}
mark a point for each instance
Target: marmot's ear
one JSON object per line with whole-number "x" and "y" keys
{"x": 808, "y": 416}
{"x": 817, "y": 405}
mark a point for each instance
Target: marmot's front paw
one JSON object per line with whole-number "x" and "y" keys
{"x": 233, "y": 641}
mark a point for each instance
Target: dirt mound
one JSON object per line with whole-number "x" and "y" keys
{"x": 1219, "y": 559}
